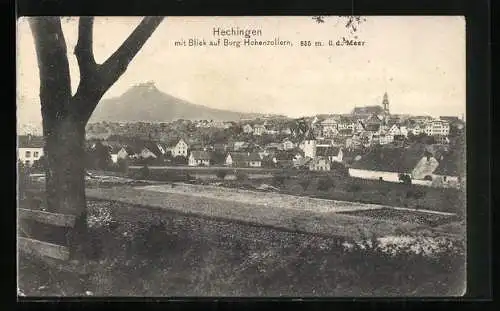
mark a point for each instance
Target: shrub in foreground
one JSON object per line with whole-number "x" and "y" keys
{"x": 221, "y": 174}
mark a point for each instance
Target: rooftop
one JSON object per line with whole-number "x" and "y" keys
{"x": 29, "y": 141}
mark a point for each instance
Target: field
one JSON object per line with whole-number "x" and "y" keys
{"x": 243, "y": 208}
{"x": 175, "y": 239}
{"x": 151, "y": 252}
{"x": 338, "y": 187}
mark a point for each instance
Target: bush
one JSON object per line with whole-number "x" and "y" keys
{"x": 221, "y": 174}
{"x": 241, "y": 175}
{"x": 144, "y": 173}
{"x": 279, "y": 180}
{"x": 305, "y": 183}
{"x": 405, "y": 179}
{"x": 180, "y": 160}
{"x": 416, "y": 194}
{"x": 123, "y": 165}
{"x": 354, "y": 188}
{"x": 325, "y": 184}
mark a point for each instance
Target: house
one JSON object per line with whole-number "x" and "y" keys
{"x": 219, "y": 147}
{"x": 248, "y": 129}
{"x": 359, "y": 126}
{"x": 386, "y": 138}
{"x": 374, "y": 118}
{"x": 302, "y": 162}
{"x": 324, "y": 143}
{"x": 453, "y": 121}
{"x": 420, "y": 119}
{"x": 372, "y": 127}
{"x": 329, "y": 127}
{"x": 199, "y": 158}
{"x": 288, "y": 144}
{"x": 437, "y": 127}
{"x": 346, "y": 123}
{"x": 319, "y": 164}
{"x": 284, "y": 158}
{"x": 240, "y": 145}
{"x": 450, "y": 171}
{"x": 397, "y": 130}
{"x": 271, "y": 130}
{"x": 333, "y": 154}
{"x": 178, "y": 148}
{"x": 30, "y": 149}
{"x": 416, "y": 129}
{"x": 394, "y": 130}
{"x": 243, "y": 159}
{"x": 442, "y": 139}
{"x": 150, "y": 150}
{"x": 114, "y": 151}
{"x": 425, "y": 167}
{"x": 387, "y": 163}
{"x": 308, "y": 146}
{"x": 345, "y": 132}
{"x": 286, "y": 131}
{"x": 259, "y": 129}
{"x": 163, "y": 148}
{"x": 128, "y": 152}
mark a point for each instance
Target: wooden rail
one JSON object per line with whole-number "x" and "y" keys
{"x": 40, "y": 248}
{"x": 55, "y": 219}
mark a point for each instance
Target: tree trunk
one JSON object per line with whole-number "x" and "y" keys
{"x": 65, "y": 177}
{"x": 64, "y": 116}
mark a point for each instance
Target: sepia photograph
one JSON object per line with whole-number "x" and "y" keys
{"x": 248, "y": 156}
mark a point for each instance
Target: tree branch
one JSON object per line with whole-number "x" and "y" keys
{"x": 112, "y": 69}
{"x": 84, "y": 51}
{"x": 55, "y": 79}
{"x": 117, "y": 63}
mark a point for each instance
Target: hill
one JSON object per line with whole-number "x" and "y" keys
{"x": 144, "y": 102}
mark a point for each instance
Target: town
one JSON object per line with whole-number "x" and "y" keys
{"x": 370, "y": 142}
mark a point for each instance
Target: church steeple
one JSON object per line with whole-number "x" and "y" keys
{"x": 385, "y": 103}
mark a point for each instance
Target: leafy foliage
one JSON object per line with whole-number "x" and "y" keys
{"x": 325, "y": 184}
{"x": 221, "y": 174}
{"x": 240, "y": 175}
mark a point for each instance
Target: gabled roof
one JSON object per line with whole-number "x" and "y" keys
{"x": 113, "y": 149}
{"x": 153, "y": 147}
{"x": 29, "y": 141}
{"x": 398, "y": 160}
{"x": 451, "y": 119}
{"x": 174, "y": 141}
{"x": 285, "y": 155}
{"x": 345, "y": 131}
{"x": 451, "y": 164}
{"x": 368, "y": 110}
{"x": 346, "y": 119}
{"x": 201, "y": 155}
{"x": 372, "y": 127}
{"x": 244, "y": 156}
{"x": 327, "y": 151}
{"x": 133, "y": 148}
{"x": 374, "y": 118}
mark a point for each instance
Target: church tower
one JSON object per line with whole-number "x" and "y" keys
{"x": 309, "y": 144}
{"x": 385, "y": 104}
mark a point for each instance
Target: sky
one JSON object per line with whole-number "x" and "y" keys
{"x": 419, "y": 61}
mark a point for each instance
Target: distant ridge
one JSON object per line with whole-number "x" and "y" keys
{"x": 144, "y": 102}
